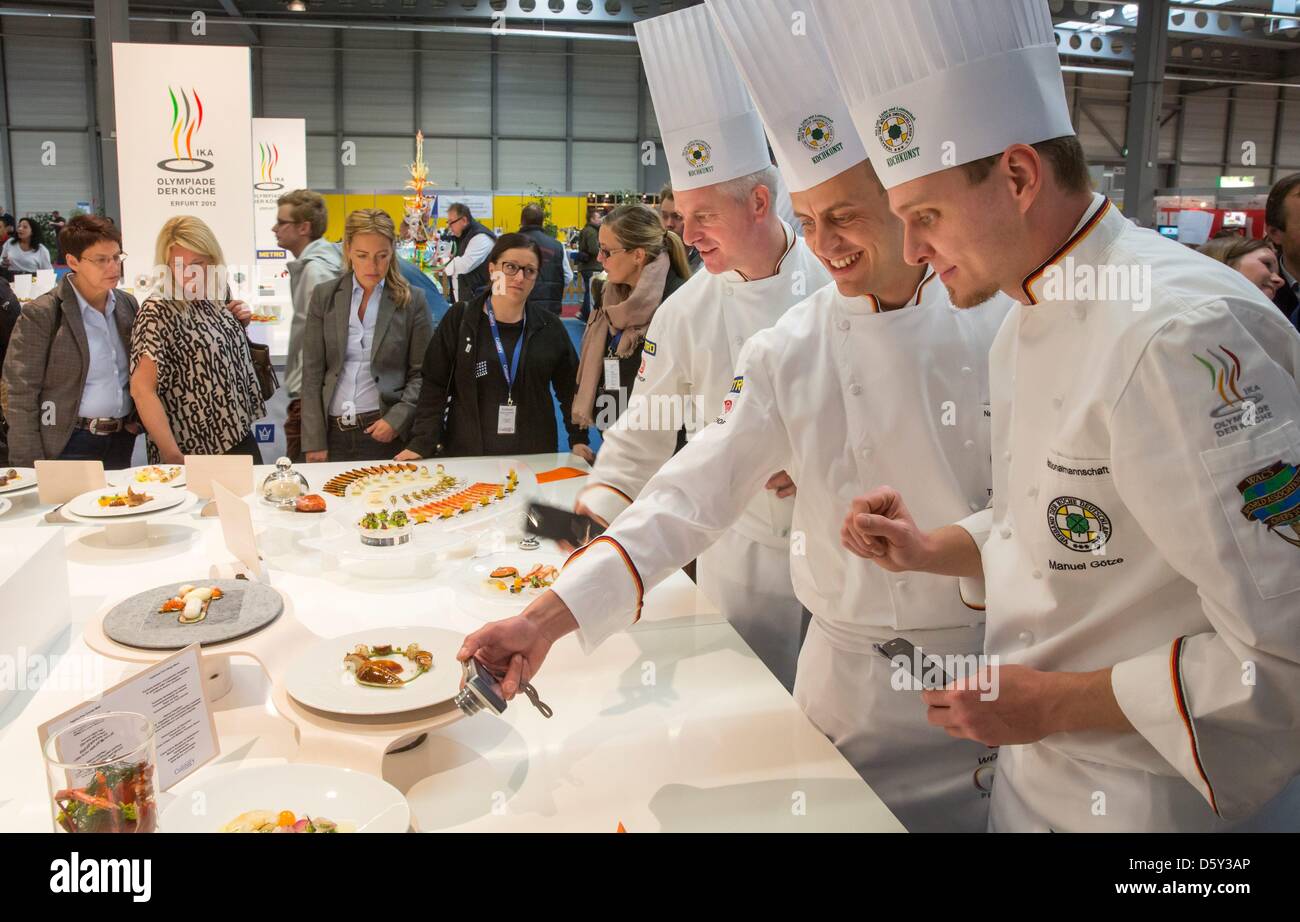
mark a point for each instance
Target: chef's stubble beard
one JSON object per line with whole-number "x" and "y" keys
{"x": 975, "y": 300}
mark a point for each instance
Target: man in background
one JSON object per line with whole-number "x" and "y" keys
{"x": 673, "y": 221}
{"x": 472, "y": 243}
{"x": 556, "y": 273}
{"x": 300, "y": 228}
{"x": 588, "y": 250}
{"x": 1282, "y": 223}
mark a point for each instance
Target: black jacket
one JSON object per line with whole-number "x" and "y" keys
{"x": 588, "y": 249}
{"x": 548, "y": 290}
{"x": 549, "y": 361}
{"x": 1289, "y": 304}
{"x": 470, "y": 283}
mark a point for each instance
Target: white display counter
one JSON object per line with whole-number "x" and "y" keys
{"x": 673, "y": 725}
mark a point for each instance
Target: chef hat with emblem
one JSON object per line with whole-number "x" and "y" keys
{"x": 782, "y": 57}
{"x": 711, "y": 130}
{"x": 934, "y": 84}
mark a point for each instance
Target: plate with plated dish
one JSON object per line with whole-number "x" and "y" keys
{"x": 293, "y": 798}
{"x": 384, "y": 670}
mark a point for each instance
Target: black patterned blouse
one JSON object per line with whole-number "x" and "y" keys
{"x": 206, "y": 380}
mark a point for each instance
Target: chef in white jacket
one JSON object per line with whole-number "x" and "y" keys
{"x": 1142, "y": 553}
{"x": 755, "y": 269}
{"x": 876, "y": 377}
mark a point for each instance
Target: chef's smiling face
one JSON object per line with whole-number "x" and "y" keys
{"x": 847, "y": 223}
{"x": 959, "y": 229}
{"x": 723, "y": 228}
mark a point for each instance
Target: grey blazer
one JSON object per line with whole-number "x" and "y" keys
{"x": 46, "y": 366}
{"x": 396, "y": 353}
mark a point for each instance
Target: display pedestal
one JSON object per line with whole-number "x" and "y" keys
{"x": 35, "y": 608}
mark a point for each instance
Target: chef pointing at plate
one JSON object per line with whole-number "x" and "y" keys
{"x": 874, "y": 377}
{"x": 756, "y": 268}
{"x": 1142, "y": 552}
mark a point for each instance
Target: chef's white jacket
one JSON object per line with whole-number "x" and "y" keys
{"x": 690, "y": 353}
{"x": 843, "y": 397}
{"x": 1146, "y": 517}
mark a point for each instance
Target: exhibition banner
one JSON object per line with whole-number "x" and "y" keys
{"x": 184, "y": 147}
{"x": 279, "y": 164}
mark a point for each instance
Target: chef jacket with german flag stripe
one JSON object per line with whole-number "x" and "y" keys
{"x": 689, "y": 359}
{"x": 1146, "y": 515}
{"x": 844, "y": 397}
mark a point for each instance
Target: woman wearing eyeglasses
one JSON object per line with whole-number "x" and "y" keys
{"x": 644, "y": 264}
{"x": 491, "y": 367}
{"x": 66, "y": 386}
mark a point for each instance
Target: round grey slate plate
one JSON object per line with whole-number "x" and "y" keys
{"x": 245, "y": 607}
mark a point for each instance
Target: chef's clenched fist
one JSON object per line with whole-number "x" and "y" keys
{"x": 880, "y": 528}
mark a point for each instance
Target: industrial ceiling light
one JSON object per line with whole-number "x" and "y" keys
{"x": 297, "y": 6}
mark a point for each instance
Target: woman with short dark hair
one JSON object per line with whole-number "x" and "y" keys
{"x": 66, "y": 386}
{"x": 491, "y": 367}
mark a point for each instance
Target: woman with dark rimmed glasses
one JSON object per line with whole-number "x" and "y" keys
{"x": 492, "y": 367}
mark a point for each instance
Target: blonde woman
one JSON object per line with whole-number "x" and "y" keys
{"x": 644, "y": 264}
{"x": 192, "y": 376}
{"x": 362, "y": 349}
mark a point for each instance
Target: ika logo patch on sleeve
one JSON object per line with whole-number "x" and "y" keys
{"x": 649, "y": 347}
{"x": 737, "y": 384}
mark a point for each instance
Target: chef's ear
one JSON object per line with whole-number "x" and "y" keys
{"x": 761, "y": 201}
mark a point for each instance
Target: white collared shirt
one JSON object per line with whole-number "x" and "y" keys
{"x": 356, "y": 392}
{"x": 107, "y": 392}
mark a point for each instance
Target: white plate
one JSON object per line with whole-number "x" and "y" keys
{"x": 352, "y": 799}
{"x": 5, "y": 505}
{"x": 473, "y": 579}
{"x": 318, "y": 678}
{"x": 122, "y": 478}
{"x": 26, "y": 479}
{"x": 87, "y": 504}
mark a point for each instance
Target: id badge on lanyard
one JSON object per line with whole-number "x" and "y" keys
{"x": 613, "y": 373}
{"x": 507, "y": 412}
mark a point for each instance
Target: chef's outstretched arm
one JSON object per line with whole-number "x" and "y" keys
{"x": 1219, "y": 699}
{"x": 682, "y": 510}
{"x": 879, "y": 527}
{"x": 639, "y": 443}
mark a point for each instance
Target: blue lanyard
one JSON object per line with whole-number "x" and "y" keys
{"x": 510, "y": 371}
{"x": 613, "y": 343}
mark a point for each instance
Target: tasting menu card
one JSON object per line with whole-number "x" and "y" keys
{"x": 170, "y": 693}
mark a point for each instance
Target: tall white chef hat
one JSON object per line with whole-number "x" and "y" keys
{"x": 934, "y": 84}
{"x": 783, "y": 58}
{"x": 711, "y": 131}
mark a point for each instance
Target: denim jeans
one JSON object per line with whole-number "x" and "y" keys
{"x": 114, "y": 450}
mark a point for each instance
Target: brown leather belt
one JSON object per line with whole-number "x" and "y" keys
{"x": 360, "y": 421}
{"x": 104, "y": 425}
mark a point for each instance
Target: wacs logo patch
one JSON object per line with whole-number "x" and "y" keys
{"x": 697, "y": 155}
{"x": 896, "y": 131}
{"x": 1078, "y": 524}
{"x": 1272, "y": 498}
{"x": 817, "y": 133}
